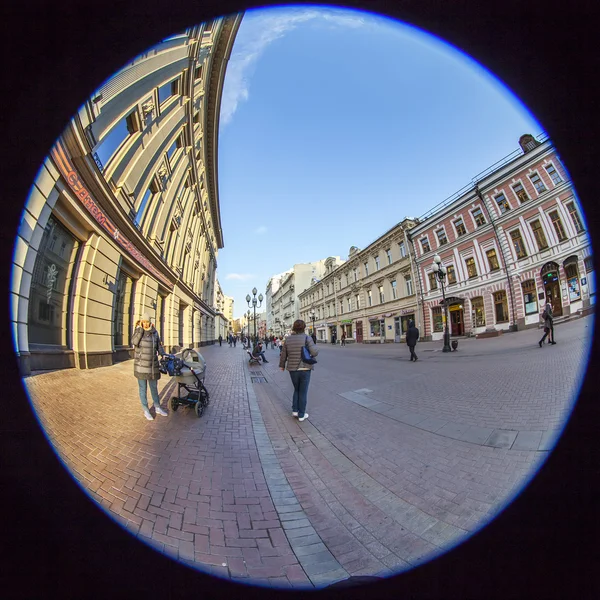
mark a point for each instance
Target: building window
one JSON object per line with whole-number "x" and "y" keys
{"x": 402, "y": 249}
{"x": 478, "y": 312}
{"x": 519, "y": 190}
{"x": 460, "y": 227}
{"x": 589, "y": 264}
{"x": 198, "y": 72}
{"x": 441, "y": 236}
{"x": 517, "y": 240}
{"x": 49, "y": 294}
{"x": 377, "y": 263}
{"x": 394, "y": 290}
{"x": 556, "y": 178}
{"x": 437, "y": 319}
{"x": 432, "y": 281}
{"x": 451, "y": 274}
{"x": 381, "y": 295}
{"x": 425, "y": 245}
{"x": 471, "y": 267}
{"x": 529, "y": 296}
{"x": 388, "y": 253}
{"x": 538, "y": 232}
{"x": 349, "y": 304}
{"x": 574, "y": 216}
{"x": 558, "y": 226}
{"x": 357, "y": 300}
{"x": 123, "y": 308}
{"x": 355, "y": 271}
{"x": 572, "y": 274}
{"x": 111, "y": 142}
{"x": 478, "y": 216}
{"x": 366, "y": 269}
{"x": 167, "y": 90}
{"x": 538, "y": 184}
{"x": 501, "y": 307}
{"x": 409, "y": 285}
{"x": 502, "y": 203}
{"x": 341, "y": 307}
{"x": 369, "y": 298}
{"x": 141, "y": 211}
{"x": 492, "y": 259}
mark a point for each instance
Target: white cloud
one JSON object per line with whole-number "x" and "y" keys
{"x": 239, "y": 276}
{"x": 262, "y": 229}
{"x": 261, "y": 28}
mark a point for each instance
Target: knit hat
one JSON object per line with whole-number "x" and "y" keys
{"x": 146, "y": 317}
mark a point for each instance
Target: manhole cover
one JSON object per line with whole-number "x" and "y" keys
{"x": 258, "y": 380}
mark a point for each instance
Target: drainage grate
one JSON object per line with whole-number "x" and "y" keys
{"x": 259, "y": 379}
{"x": 256, "y": 373}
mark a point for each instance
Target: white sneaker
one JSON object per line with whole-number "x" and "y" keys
{"x": 148, "y": 415}
{"x": 160, "y": 411}
{"x": 294, "y": 413}
{"x": 304, "y": 417}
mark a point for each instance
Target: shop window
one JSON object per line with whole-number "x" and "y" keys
{"x": 471, "y": 267}
{"x": 441, "y": 236}
{"x": 538, "y": 233}
{"x": 478, "y": 217}
{"x": 492, "y": 259}
{"x": 432, "y": 281}
{"x": 375, "y": 329}
{"x": 558, "y": 226}
{"x": 369, "y": 298}
{"x": 451, "y": 274}
{"x": 402, "y": 249}
{"x": 123, "y": 309}
{"x": 538, "y": 184}
{"x": 501, "y": 307}
{"x": 530, "y": 296}
{"x": 388, "y": 253}
{"x": 50, "y": 291}
{"x": 520, "y": 192}
{"x": 556, "y": 178}
{"x": 517, "y": 241}
{"x": 502, "y": 203}
{"x": 437, "y": 319}
{"x": 394, "y": 289}
{"x": 381, "y": 294}
{"x": 478, "y": 312}
{"x": 574, "y": 216}
{"x": 459, "y": 225}
{"x": 572, "y": 274}
{"x": 409, "y": 285}
{"x": 425, "y": 245}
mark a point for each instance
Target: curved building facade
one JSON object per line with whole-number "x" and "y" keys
{"x": 124, "y": 214}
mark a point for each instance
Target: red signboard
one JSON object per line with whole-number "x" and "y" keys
{"x": 74, "y": 181}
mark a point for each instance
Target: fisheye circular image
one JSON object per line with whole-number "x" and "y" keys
{"x": 302, "y": 297}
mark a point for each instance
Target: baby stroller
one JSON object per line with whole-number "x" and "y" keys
{"x": 189, "y": 370}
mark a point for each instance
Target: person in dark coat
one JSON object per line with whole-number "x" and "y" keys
{"x": 147, "y": 346}
{"x": 548, "y": 323}
{"x": 220, "y": 340}
{"x": 258, "y": 351}
{"x": 412, "y": 335}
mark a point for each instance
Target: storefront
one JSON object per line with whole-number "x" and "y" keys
{"x": 346, "y": 327}
{"x": 571, "y": 268}
{"x": 550, "y": 279}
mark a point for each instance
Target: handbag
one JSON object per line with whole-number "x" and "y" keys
{"x": 305, "y": 354}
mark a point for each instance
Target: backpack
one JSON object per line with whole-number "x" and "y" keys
{"x": 545, "y": 314}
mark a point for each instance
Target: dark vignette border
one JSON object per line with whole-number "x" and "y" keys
{"x": 55, "y": 540}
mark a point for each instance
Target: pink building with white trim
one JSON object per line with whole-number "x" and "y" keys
{"x": 511, "y": 238}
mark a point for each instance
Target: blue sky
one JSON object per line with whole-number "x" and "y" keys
{"x": 335, "y": 125}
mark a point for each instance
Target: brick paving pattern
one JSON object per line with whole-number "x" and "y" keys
{"x": 397, "y": 461}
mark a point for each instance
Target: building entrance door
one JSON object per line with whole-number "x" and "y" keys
{"x": 359, "y": 332}
{"x": 551, "y": 282}
{"x": 397, "y": 331}
{"x": 457, "y": 320}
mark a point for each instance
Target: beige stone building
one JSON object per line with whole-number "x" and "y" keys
{"x": 124, "y": 216}
{"x": 371, "y": 296}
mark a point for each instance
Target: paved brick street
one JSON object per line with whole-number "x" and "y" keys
{"x": 396, "y": 462}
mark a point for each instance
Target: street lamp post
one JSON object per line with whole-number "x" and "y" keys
{"x": 252, "y": 301}
{"x": 248, "y": 327}
{"x": 440, "y": 272}
{"x": 313, "y": 317}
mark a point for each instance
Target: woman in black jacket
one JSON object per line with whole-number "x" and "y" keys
{"x": 291, "y": 353}
{"x": 147, "y": 346}
{"x": 412, "y": 335}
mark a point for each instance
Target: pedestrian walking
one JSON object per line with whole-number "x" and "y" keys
{"x": 314, "y": 337}
{"x": 291, "y": 358}
{"x": 147, "y": 346}
{"x": 234, "y": 341}
{"x": 412, "y": 336}
{"x": 220, "y": 340}
{"x": 548, "y": 323}
{"x": 343, "y": 338}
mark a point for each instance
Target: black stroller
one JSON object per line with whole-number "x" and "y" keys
{"x": 189, "y": 370}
